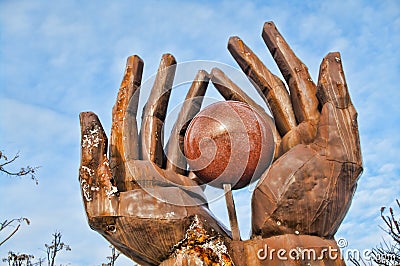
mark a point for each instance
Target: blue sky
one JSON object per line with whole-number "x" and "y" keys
{"x": 59, "y": 58}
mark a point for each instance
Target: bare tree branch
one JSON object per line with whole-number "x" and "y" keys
{"x": 113, "y": 257}
{"x": 9, "y": 223}
{"x": 17, "y": 259}
{"x": 23, "y": 171}
{"x": 389, "y": 253}
{"x": 54, "y": 248}
{"x": 10, "y": 235}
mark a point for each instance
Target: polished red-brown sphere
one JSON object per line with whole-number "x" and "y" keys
{"x": 229, "y": 142}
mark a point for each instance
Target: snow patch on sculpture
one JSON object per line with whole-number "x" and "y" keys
{"x": 199, "y": 247}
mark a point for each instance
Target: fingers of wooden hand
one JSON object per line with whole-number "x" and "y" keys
{"x": 124, "y": 143}
{"x": 332, "y": 86}
{"x": 93, "y": 139}
{"x": 176, "y": 160}
{"x": 268, "y": 85}
{"x": 155, "y": 110}
{"x": 230, "y": 91}
{"x": 337, "y": 135}
{"x": 94, "y": 173}
{"x": 302, "y": 88}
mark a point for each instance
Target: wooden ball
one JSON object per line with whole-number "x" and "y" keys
{"x": 229, "y": 142}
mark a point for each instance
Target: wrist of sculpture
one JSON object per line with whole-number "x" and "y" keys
{"x": 288, "y": 249}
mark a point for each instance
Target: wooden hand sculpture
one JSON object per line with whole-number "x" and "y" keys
{"x": 309, "y": 187}
{"x": 135, "y": 198}
{"x": 148, "y": 206}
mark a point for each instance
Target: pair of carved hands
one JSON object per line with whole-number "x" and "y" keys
{"x": 307, "y": 190}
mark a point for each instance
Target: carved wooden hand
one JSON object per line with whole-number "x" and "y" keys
{"x": 143, "y": 204}
{"x": 152, "y": 209}
{"x": 309, "y": 187}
